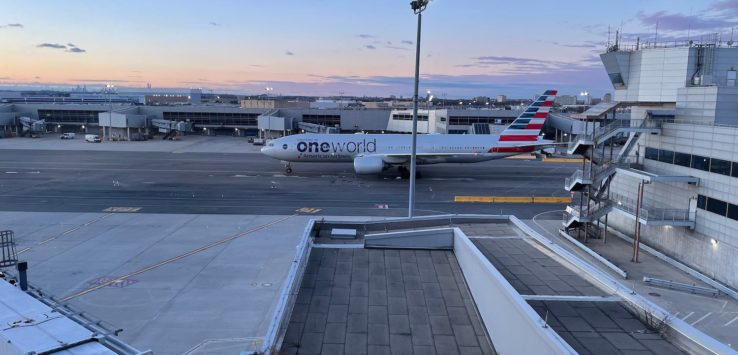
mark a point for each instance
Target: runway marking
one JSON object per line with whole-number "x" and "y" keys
{"x": 175, "y": 258}
{"x": 122, "y": 209}
{"x": 308, "y": 210}
{"x": 731, "y": 321}
{"x": 687, "y": 316}
{"x": 75, "y": 229}
{"x": 11, "y": 172}
{"x": 702, "y": 318}
{"x": 19, "y": 252}
{"x": 512, "y": 199}
{"x": 381, "y": 206}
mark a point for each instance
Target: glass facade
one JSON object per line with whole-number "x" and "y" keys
{"x": 406, "y": 117}
{"x": 325, "y": 120}
{"x": 718, "y": 207}
{"x": 469, "y": 120}
{"x": 214, "y": 118}
{"x": 69, "y": 116}
{"x": 713, "y": 165}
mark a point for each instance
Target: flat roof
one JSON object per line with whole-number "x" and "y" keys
{"x": 382, "y": 301}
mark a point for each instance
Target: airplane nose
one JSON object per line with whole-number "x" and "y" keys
{"x": 265, "y": 150}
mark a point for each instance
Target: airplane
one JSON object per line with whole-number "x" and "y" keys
{"x": 375, "y": 153}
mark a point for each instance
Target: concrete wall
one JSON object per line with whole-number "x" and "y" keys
{"x": 692, "y": 247}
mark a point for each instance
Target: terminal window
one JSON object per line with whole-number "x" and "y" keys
{"x": 718, "y": 207}
{"x": 406, "y": 117}
{"x": 324, "y": 120}
{"x": 713, "y": 165}
{"x": 69, "y": 116}
{"x": 214, "y": 118}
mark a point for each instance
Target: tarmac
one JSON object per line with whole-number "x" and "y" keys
{"x": 52, "y": 177}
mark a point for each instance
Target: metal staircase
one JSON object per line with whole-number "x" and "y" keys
{"x": 591, "y": 183}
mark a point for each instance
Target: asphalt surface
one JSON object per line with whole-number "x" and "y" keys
{"x": 215, "y": 183}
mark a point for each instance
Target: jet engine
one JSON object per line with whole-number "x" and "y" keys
{"x": 369, "y": 165}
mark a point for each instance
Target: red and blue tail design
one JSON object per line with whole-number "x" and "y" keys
{"x": 527, "y": 126}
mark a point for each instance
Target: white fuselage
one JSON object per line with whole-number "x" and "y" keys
{"x": 394, "y": 149}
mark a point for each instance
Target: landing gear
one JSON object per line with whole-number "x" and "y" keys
{"x": 288, "y": 168}
{"x": 405, "y": 173}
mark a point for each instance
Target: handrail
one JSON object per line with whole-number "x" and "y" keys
{"x": 629, "y": 206}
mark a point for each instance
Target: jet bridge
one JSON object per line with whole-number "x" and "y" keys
{"x": 32, "y": 127}
{"x": 172, "y": 128}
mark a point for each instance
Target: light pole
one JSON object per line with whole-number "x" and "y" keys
{"x": 109, "y": 88}
{"x": 418, "y": 6}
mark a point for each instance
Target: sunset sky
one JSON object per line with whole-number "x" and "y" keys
{"x": 328, "y": 47}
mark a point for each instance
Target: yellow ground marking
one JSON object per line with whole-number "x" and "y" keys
{"x": 528, "y": 157}
{"x": 547, "y": 199}
{"x": 488, "y": 199}
{"x": 563, "y": 160}
{"x": 75, "y": 229}
{"x": 122, "y": 209}
{"x": 175, "y": 258}
{"x": 512, "y": 199}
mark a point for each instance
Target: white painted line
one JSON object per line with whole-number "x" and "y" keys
{"x": 11, "y": 172}
{"x": 676, "y": 314}
{"x": 687, "y": 316}
{"x": 702, "y": 318}
{"x": 731, "y": 321}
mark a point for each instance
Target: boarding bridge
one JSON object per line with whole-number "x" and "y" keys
{"x": 172, "y": 128}
{"x": 32, "y": 127}
{"x": 590, "y": 185}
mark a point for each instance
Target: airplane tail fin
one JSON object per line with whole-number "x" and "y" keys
{"x": 527, "y": 126}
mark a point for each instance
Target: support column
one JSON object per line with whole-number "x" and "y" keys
{"x": 637, "y": 239}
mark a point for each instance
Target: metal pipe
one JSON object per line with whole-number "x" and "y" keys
{"x": 637, "y": 239}
{"x": 22, "y": 275}
{"x": 413, "y": 153}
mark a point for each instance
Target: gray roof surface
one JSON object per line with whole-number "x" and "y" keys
{"x": 532, "y": 272}
{"x": 602, "y": 327}
{"x": 381, "y": 301}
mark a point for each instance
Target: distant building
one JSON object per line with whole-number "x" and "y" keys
{"x": 323, "y": 104}
{"x": 501, "y": 98}
{"x": 167, "y": 99}
{"x": 196, "y": 96}
{"x": 607, "y": 98}
{"x": 273, "y": 103}
{"x": 586, "y": 98}
{"x": 566, "y": 100}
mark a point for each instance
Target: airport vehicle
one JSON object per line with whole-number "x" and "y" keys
{"x": 92, "y": 138}
{"x": 67, "y": 136}
{"x": 374, "y": 153}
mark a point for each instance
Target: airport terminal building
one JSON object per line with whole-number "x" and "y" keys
{"x": 675, "y": 184}
{"x": 83, "y": 117}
